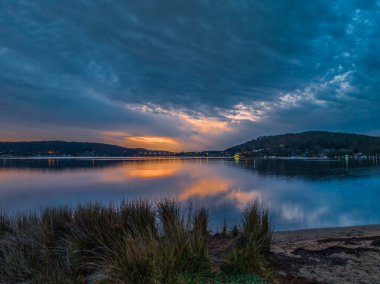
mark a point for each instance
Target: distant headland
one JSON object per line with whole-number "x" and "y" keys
{"x": 305, "y": 144}
{"x": 310, "y": 144}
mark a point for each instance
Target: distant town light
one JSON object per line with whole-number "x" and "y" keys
{"x": 237, "y": 157}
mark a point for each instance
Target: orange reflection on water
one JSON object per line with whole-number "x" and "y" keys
{"x": 150, "y": 173}
{"x": 53, "y": 162}
{"x": 12, "y": 174}
{"x": 141, "y": 170}
{"x": 206, "y": 187}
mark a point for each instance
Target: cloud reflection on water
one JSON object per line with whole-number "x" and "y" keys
{"x": 295, "y": 199}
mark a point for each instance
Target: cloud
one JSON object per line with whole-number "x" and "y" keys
{"x": 207, "y": 74}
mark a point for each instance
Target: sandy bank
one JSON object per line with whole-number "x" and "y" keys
{"x": 332, "y": 255}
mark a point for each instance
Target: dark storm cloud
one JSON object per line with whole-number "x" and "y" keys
{"x": 295, "y": 64}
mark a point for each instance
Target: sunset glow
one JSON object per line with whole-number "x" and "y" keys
{"x": 170, "y": 141}
{"x": 153, "y": 143}
{"x": 148, "y": 142}
{"x": 148, "y": 78}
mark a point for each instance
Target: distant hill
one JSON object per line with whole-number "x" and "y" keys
{"x": 61, "y": 148}
{"x": 311, "y": 143}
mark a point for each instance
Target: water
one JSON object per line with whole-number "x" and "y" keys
{"x": 298, "y": 193}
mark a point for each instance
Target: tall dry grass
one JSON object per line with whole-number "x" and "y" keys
{"x": 251, "y": 252}
{"x": 134, "y": 242}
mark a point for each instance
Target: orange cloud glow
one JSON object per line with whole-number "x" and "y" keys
{"x": 152, "y": 139}
{"x": 148, "y": 142}
{"x": 205, "y": 125}
{"x": 204, "y": 130}
{"x": 153, "y": 143}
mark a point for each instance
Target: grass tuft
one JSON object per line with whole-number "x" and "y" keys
{"x": 5, "y": 224}
{"x": 252, "y": 250}
{"x": 136, "y": 242}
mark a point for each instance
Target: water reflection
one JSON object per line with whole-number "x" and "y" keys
{"x": 299, "y": 194}
{"x": 313, "y": 169}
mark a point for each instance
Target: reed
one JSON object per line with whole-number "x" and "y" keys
{"x": 251, "y": 252}
{"x": 134, "y": 242}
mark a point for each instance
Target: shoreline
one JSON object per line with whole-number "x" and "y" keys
{"x": 319, "y": 255}
{"x": 328, "y": 255}
{"x": 301, "y": 158}
{"x": 323, "y": 230}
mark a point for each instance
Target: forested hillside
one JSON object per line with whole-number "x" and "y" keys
{"x": 310, "y": 143}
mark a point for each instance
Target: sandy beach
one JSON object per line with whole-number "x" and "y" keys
{"x": 332, "y": 255}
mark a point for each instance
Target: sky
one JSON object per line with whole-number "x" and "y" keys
{"x": 187, "y": 75}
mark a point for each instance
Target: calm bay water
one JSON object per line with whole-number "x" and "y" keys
{"x": 298, "y": 193}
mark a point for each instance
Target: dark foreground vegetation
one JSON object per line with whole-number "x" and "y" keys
{"x": 136, "y": 242}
